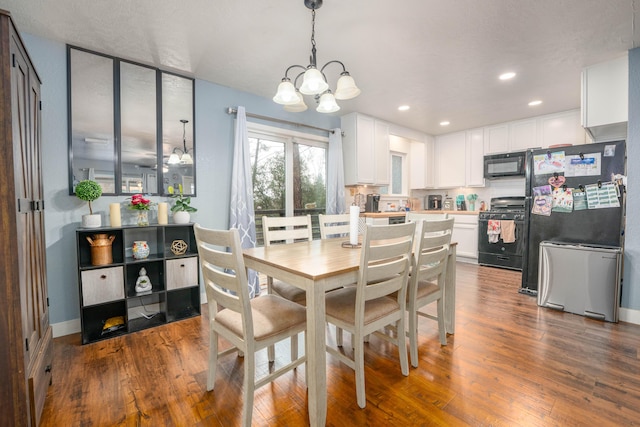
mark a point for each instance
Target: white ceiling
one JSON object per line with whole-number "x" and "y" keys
{"x": 441, "y": 57}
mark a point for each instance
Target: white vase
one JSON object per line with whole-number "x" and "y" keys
{"x": 92, "y": 221}
{"x": 181, "y": 217}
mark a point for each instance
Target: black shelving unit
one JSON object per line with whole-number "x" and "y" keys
{"x": 108, "y": 291}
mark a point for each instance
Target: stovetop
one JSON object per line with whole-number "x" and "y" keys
{"x": 511, "y": 207}
{"x": 507, "y": 204}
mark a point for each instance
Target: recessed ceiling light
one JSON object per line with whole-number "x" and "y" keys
{"x": 444, "y": 123}
{"x": 403, "y": 108}
{"x": 534, "y": 103}
{"x": 507, "y": 76}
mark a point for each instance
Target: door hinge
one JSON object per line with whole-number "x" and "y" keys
{"x": 13, "y": 60}
{"x": 47, "y": 301}
{"x": 40, "y": 106}
{"x": 26, "y": 344}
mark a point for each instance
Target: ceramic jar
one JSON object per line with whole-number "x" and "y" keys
{"x": 140, "y": 249}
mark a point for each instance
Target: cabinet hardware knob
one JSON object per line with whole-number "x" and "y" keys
{"x": 47, "y": 368}
{"x": 182, "y": 265}
{"x": 104, "y": 276}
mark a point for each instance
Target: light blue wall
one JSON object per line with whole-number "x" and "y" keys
{"x": 214, "y": 139}
{"x": 631, "y": 281}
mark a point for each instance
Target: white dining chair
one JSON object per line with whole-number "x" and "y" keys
{"x": 428, "y": 275}
{"x": 336, "y": 225}
{"x": 288, "y": 229}
{"x": 248, "y": 324}
{"x": 367, "y": 307}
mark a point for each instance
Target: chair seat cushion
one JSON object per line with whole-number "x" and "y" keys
{"x": 271, "y": 315}
{"x": 289, "y": 292}
{"x": 426, "y": 288}
{"x": 341, "y": 304}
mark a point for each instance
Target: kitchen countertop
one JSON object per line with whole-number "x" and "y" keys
{"x": 434, "y": 212}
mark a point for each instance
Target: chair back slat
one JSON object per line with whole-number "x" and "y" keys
{"x": 334, "y": 225}
{"x": 287, "y": 229}
{"x": 431, "y": 253}
{"x": 224, "y": 272}
{"x": 385, "y": 260}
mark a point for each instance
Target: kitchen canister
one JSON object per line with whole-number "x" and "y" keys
{"x": 101, "y": 248}
{"x": 140, "y": 249}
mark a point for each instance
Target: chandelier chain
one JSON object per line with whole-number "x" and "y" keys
{"x": 313, "y": 28}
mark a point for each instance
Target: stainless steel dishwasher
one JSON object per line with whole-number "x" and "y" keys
{"x": 580, "y": 279}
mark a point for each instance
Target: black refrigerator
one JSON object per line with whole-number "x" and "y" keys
{"x": 574, "y": 194}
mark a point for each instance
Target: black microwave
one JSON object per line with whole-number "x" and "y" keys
{"x": 505, "y": 165}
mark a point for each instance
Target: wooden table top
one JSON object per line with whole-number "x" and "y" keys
{"x": 315, "y": 260}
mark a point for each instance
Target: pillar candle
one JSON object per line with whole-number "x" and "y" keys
{"x": 163, "y": 213}
{"x": 114, "y": 215}
{"x": 354, "y": 218}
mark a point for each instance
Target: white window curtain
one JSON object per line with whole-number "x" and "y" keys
{"x": 335, "y": 175}
{"x": 242, "y": 215}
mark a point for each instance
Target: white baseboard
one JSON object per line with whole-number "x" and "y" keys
{"x": 629, "y": 315}
{"x": 65, "y": 328}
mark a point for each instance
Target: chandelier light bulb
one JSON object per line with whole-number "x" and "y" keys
{"x": 346, "y": 87}
{"x": 313, "y": 82}
{"x": 286, "y": 94}
{"x": 327, "y": 104}
{"x": 297, "y": 107}
{"x": 174, "y": 159}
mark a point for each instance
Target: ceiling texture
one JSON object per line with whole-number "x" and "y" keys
{"x": 440, "y": 57}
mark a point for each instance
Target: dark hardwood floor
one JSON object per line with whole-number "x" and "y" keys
{"x": 510, "y": 363}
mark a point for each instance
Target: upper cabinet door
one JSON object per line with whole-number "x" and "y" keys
{"x": 451, "y": 160}
{"x": 92, "y": 142}
{"x": 523, "y": 135}
{"x": 496, "y": 139}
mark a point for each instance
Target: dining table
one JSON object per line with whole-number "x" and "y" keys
{"x": 319, "y": 266}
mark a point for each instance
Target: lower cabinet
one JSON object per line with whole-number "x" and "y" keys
{"x": 465, "y": 233}
{"x": 123, "y": 290}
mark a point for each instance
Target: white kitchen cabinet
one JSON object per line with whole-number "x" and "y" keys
{"x": 605, "y": 99}
{"x": 465, "y": 233}
{"x": 496, "y": 139}
{"x": 421, "y": 164}
{"x": 365, "y": 148}
{"x": 523, "y": 134}
{"x": 381, "y": 157}
{"x": 560, "y": 128}
{"x": 450, "y": 160}
{"x": 474, "y": 158}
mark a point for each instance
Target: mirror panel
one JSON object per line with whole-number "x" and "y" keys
{"x": 138, "y": 129}
{"x": 92, "y": 142}
{"x": 178, "y": 144}
{"x": 114, "y": 126}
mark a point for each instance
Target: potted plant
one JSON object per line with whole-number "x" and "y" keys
{"x": 182, "y": 207}
{"x": 142, "y": 205}
{"x": 89, "y": 190}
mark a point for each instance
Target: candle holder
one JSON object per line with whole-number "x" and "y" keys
{"x": 351, "y": 246}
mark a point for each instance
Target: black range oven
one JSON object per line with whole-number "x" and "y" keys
{"x": 492, "y": 250}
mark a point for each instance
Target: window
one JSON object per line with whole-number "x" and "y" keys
{"x": 289, "y": 173}
{"x": 399, "y": 181}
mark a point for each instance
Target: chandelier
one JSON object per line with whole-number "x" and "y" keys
{"x": 185, "y": 157}
{"x": 314, "y": 81}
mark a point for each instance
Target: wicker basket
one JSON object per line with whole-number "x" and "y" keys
{"x": 101, "y": 249}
